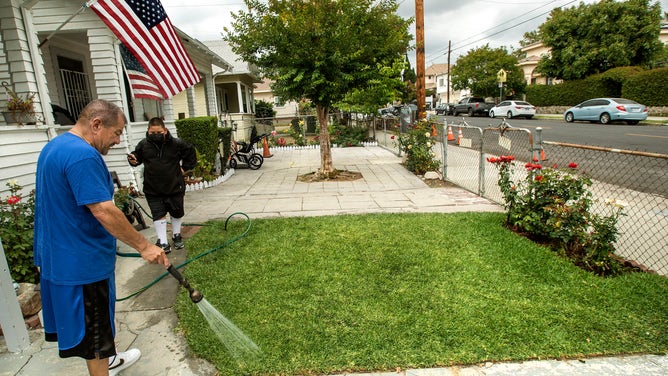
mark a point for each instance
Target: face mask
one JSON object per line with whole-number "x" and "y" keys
{"x": 156, "y": 138}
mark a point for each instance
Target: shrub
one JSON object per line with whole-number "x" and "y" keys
{"x": 296, "y": 131}
{"x": 16, "y": 232}
{"x": 202, "y": 132}
{"x": 417, "y": 144}
{"x": 343, "y": 135}
{"x": 554, "y": 206}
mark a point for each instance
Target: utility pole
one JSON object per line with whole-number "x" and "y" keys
{"x": 419, "y": 59}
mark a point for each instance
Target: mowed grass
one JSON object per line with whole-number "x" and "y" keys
{"x": 380, "y": 292}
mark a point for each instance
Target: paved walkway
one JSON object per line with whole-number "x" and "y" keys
{"x": 148, "y": 321}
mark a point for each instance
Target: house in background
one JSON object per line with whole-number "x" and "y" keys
{"x": 534, "y": 52}
{"x": 284, "y": 109}
{"x": 437, "y": 77}
{"x": 82, "y": 61}
{"x": 235, "y": 90}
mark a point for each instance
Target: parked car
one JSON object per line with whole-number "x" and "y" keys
{"x": 472, "y": 106}
{"x": 445, "y": 109}
{"x": 511, "y": 109}
{"x": 605, "y": 110}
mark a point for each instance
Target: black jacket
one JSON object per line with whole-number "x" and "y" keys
{"x": 163, "y": 163}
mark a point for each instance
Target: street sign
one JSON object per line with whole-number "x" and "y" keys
{"x": 501, "y": 75}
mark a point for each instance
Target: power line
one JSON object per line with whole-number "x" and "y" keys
{"x": 443, "y": 51}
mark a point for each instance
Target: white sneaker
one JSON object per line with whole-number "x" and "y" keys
{"x": 123, "y": 360}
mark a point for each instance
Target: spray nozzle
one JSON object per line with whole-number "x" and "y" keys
{"x": 195, "y": 295}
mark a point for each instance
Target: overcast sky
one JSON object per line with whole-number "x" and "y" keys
{"x": 467, "y": 24}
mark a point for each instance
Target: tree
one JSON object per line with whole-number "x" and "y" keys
{"x": 478, "y": 69}
{"x": 593, "y": 38}
{"x": 264, "y": 110}
{"x": 385, "y": 88}
{"x": 320, "y": 50}
{"x": 530, "y": 37}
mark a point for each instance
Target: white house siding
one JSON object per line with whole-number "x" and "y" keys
{"x": 84, "y": 38}
{"x": 19, "y": 149}
{"x": 18, "y": 68}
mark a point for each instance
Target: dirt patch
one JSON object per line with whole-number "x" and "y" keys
{"x": 438, "y": 183}
{"x": 341, "y": 175}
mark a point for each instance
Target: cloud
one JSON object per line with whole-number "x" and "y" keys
{"x": 467, "y": 24}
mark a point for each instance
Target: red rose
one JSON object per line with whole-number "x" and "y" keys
{"x": 12, "y": 200}
{"x": 573, "y": 165}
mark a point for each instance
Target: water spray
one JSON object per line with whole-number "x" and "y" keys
{"x": 240, "y": 346}
{"x": 195, "y": 295}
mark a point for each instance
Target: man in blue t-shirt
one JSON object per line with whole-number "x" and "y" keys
{"x": 76, "y": 227}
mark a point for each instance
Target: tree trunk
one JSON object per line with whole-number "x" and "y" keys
{"x": 326, "y": 166}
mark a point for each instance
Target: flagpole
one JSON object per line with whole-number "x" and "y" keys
{"x": 78, "y": 12}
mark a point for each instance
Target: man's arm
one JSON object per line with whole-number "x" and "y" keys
{"x": 114, "y": 221}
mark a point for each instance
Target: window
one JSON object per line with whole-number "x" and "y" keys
{"x": 279, "y": 102}
{"x": 75, "y": 84}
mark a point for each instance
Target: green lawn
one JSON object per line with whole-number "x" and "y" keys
{"x": 376, "y": 292}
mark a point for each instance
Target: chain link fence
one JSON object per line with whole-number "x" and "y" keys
{"x": 636, "y": 179}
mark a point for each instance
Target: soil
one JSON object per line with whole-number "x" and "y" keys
{"x": 341, "y": 175}
{"x": 345, "y": 175}
{"x": 438, "y": 183}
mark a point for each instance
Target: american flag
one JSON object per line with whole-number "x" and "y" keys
{"x": 145, "y": 29}
{"x": 142, "y": 84}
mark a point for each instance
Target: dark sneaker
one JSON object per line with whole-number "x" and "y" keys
{"x": 165, "y": 247}
{"x": 123, "y": 360}
{"x": 178, "y": 241}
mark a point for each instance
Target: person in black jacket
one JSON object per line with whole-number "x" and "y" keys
{"x": 165, "y": 160}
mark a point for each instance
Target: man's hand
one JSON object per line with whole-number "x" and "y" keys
{"x": 155, "y": 255}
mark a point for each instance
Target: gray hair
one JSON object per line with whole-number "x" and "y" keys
{"x": 105, "y": 110}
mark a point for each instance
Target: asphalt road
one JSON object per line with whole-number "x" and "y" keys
{"x": 642, "y": 137}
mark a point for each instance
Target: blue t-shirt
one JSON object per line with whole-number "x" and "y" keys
{"x": 71, "y": 247}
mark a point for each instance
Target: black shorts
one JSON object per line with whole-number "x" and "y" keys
{"x": 82, "y": 312}
{"x": 161, "y": 205}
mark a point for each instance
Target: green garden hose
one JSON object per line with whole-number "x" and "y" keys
{"x": 161, "y": 276}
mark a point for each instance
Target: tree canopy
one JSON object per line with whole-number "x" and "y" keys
{"x": 593, "y": 38}
{"x": 320, "y": 50}
{"x": 477, "y": 71}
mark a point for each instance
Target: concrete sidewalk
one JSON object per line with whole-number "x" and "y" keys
{"x": 149, "y": 323}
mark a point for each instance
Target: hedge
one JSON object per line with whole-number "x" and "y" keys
{"x": 643, "y": 86}
{"x": 202, "y": 132}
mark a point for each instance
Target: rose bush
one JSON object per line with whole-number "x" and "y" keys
{"x": 417, "y": 145}
{"x": 555, "y": 206}
{"x": 16, "y": 232}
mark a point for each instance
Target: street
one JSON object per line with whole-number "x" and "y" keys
{"x": 647, "y": 138}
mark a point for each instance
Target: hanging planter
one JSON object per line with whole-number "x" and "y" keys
{"x": 20, "y": 110}
{"x": 19, "y": 118}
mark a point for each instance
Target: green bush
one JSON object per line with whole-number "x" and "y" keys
{"x": 417, "y": 144}
{"x": 202, "y": 132}
{"x": 643, "y": 86}
{"x": 554, "y": 206}
{"x": 648, "y": 87}
{"x": 16, "y": 232}
{"x": 343, "y": 135}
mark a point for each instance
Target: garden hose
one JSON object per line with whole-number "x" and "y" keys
{"x": 188, "y": 261}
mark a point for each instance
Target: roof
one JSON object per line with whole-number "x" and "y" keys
{"x": 217, "y": 60}
{"x": 239, "y": 66}
{"x": 436, "y": 69}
